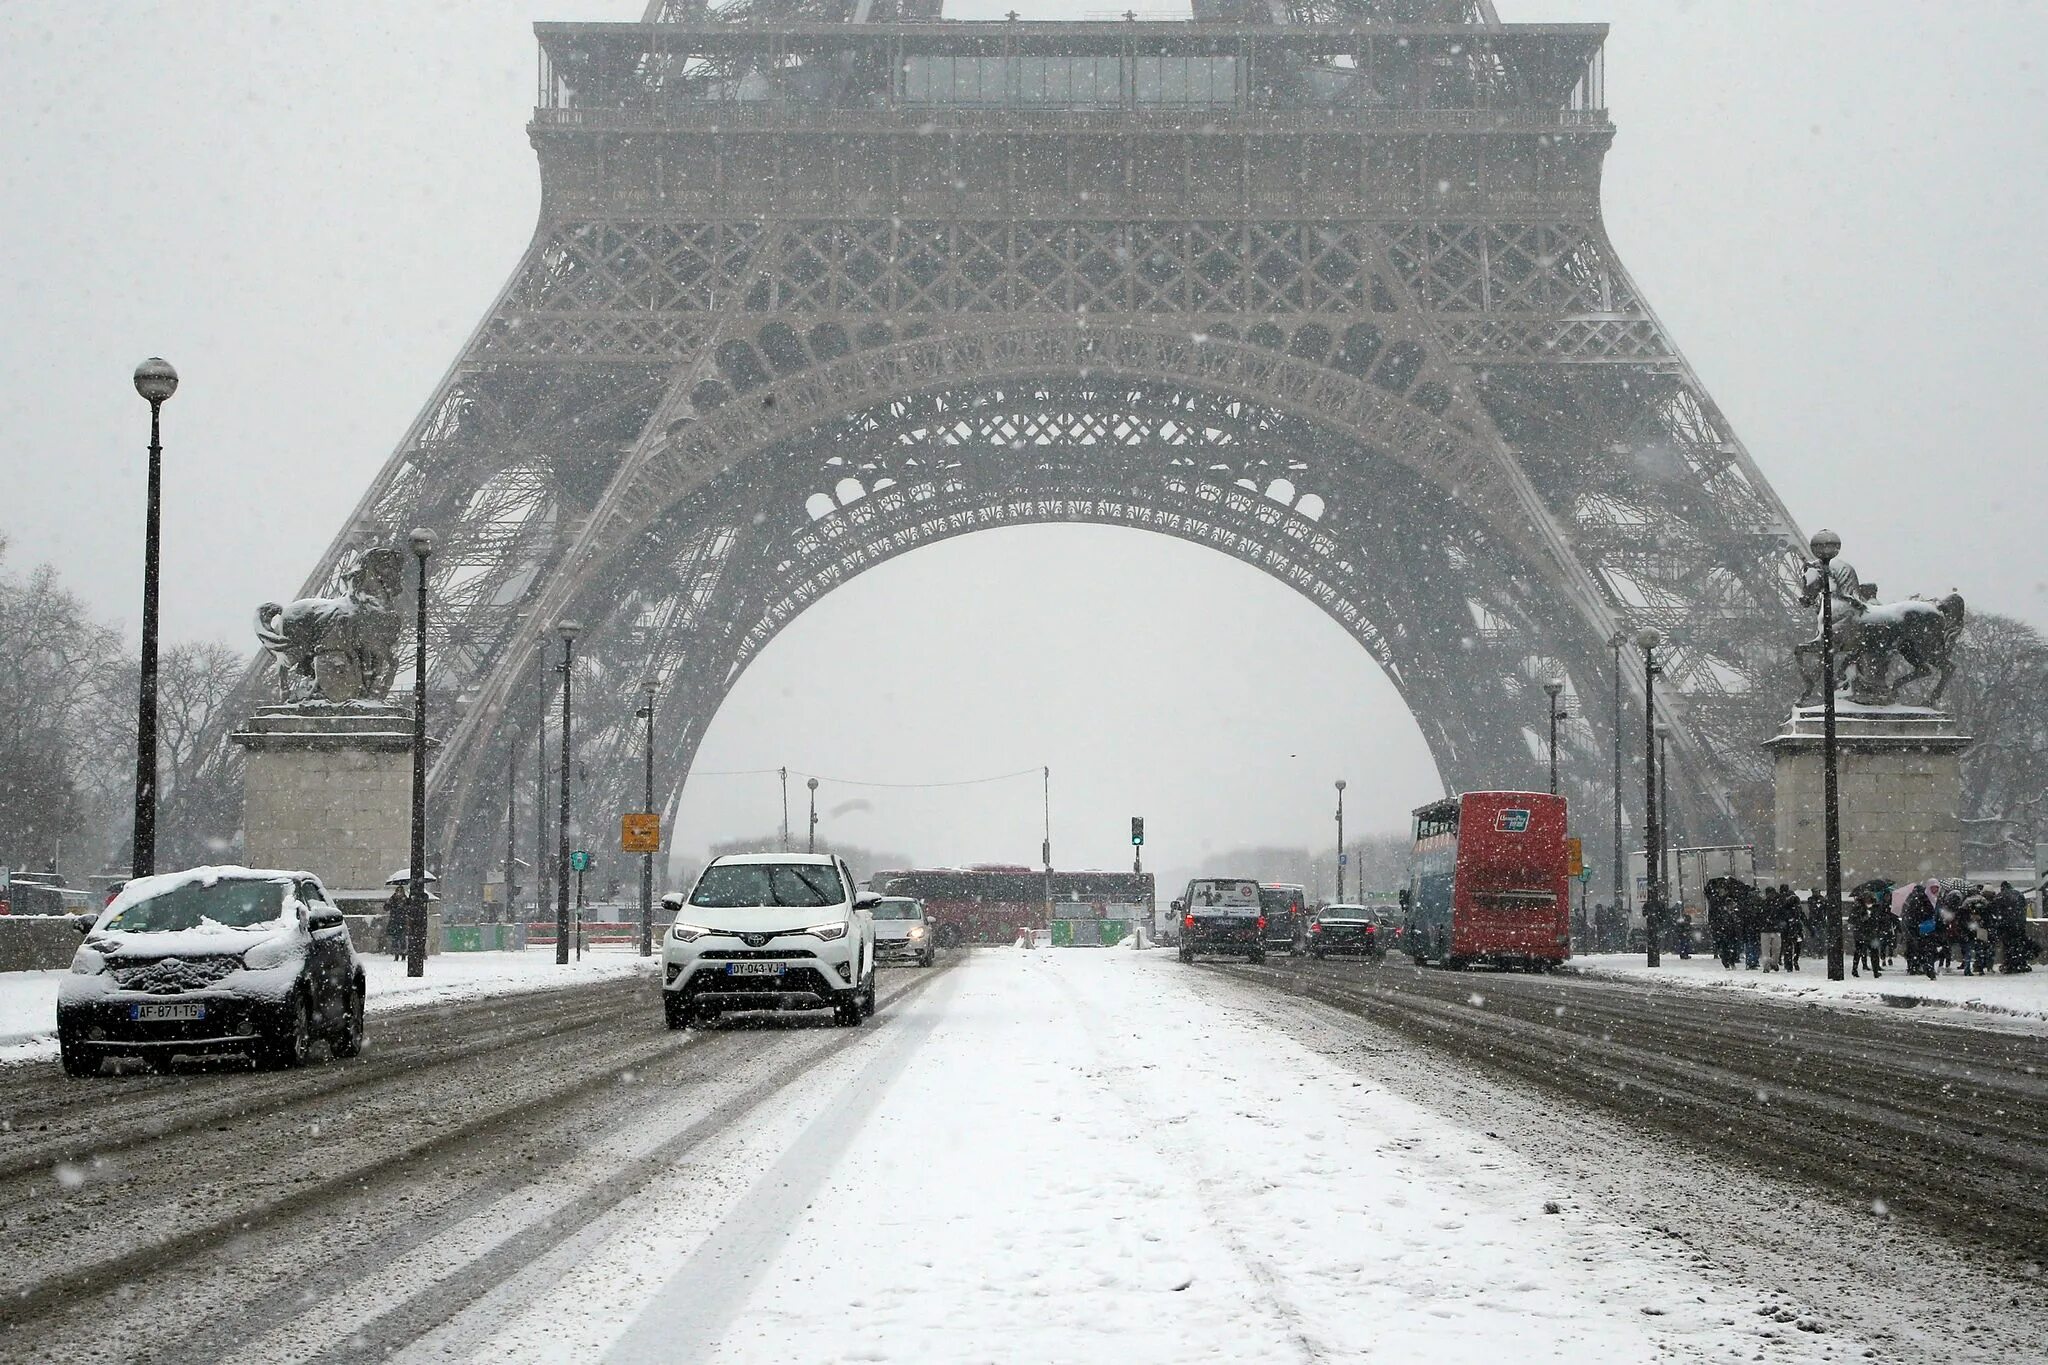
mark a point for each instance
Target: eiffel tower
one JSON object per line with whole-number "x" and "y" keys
{"x": 1320, "y": 284}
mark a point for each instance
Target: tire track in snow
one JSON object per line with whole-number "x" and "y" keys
{"x": 689, "y": 1315}
{"x": 1206, "y": 1184}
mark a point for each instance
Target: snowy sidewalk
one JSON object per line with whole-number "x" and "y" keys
{"x": 28, "y": 1000}
{"x": 1108, "y": 1157}
{"x": 2018, "y": 1000}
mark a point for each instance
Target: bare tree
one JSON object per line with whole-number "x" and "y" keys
{"x": 2000, "y": 697}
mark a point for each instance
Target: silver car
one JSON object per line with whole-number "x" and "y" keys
{"x": 902, "y": 934}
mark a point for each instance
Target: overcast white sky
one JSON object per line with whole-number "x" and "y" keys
{"x": 1835, "y": 205}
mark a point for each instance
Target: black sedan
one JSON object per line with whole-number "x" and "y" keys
{"x": 1357, "y": 930}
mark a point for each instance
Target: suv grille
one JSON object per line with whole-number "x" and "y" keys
{"x": 171, "y": 975}
{"x": 753, "y": 954}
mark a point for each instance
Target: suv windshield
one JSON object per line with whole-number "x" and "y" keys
{"x": 235, "y": 904}
{"x": 899, "y": 910}
{"x": 731, "y": 886}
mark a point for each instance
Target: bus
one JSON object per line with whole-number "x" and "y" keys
{"x": 989, "y": 903}
{"x": 1487, "y": 882}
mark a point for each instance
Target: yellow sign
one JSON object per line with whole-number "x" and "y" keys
{"x": 1575, "y": 856}
{"x": 639, "y": 832}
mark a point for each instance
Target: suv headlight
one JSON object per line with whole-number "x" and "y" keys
{"x": 828, "y": 932}
{"x": 687, "y": 933}
{"x": 275, "y": 953}
{"x": 916, "y": 931}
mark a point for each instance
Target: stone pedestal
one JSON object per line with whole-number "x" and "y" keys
{"x": 327, "y": 789}
{"x": 1899, "y": 786}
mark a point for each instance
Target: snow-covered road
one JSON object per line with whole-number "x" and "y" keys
{"x": 1073, "y": 1156}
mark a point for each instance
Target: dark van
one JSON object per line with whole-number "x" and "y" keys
{"x": 1222, "y": 915}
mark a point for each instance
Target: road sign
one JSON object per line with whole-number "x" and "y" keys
{"x": 1138, "y": 830}
{"x": 639, "y": 832}
{"x": 1343, "y": 858}
{"x": 579, "y": 860}
{"x": 1574, "y": 856}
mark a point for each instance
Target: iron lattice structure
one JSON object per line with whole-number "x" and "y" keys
{"x": 1323, "y": 286}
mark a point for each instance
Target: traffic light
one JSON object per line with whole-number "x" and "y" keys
{"x": 1137, "y": 831}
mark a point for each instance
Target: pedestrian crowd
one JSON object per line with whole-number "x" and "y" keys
{"x": 1937, "y": 925}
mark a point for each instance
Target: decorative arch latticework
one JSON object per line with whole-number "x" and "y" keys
{"x": 1324, "y": 287}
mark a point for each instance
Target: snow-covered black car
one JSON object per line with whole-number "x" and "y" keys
{"x": 217, "y": 959}
{"x": 1354, "y": 929}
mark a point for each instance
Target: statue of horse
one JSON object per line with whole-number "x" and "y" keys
{"x": 1869, "y": 636}
{"x": 339, "y": 649}
{"x": 1922, "y": 633}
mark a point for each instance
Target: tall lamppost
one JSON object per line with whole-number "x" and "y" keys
{"x": 1653, "y": 840}
{"x": 422, "y": 541}
{"x": 1551, "y": 690}
{"x": 156, "y": 381}
{"x": 511, "y": 899}
{"x": 568, "y": 631}
{"x": 1620, "y": 865}
{"x": 785, "y": 808}
{"x": 1667, "y": 826}
{"x": 646, "y": 713}
{"x": 1340, "y": 841}
{"x": 812, "y": 846}
{"x": 1825, "y": 546}
{"x": 543, "y": 891}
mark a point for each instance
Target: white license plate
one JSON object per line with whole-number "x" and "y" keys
{"x": 753, "y": 969}
{"x": 146, "y": 1012}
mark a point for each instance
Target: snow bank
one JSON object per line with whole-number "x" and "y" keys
{"x": 2018, "y": 1001}
{"x": 28, "y": 1000}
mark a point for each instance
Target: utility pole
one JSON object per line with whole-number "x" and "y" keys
{"x": 511, "y": 894}
{"x": 1825, "y": 546}
{"x": 1653, "y": 845}
{"x": 1045, "y": 848}
{"x": 785, "y": 807}
{"x": 567, "y": 630}
{"x": 156, "y": 381}
{"x": 1620, "y": 862}
{"x": 647, "y": 859}
{"x": 1551, "y": 690}
{"x": 1340, "y": 841}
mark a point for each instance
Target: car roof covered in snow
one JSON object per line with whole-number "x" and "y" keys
{"x": 813, "y": 859}
{"x": 142, "y": 888}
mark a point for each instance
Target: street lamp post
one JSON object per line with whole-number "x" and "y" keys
{"x": 1620, "y": 866}
{"x": 156, "y": 381}
{"x": 1551, "y": 690}
{"x": 1825, "y": 546}
{"x": 647, "y": 860}
{"x": 1653, "y": 840}
{"x": 422, "y": 541}
{"x": 812, "y": 846}
{"x": 1340, "y": 841}
{"x": 567, "y": 630}
{"x": 511, "y": 893}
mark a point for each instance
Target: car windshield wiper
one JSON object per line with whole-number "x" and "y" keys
{"x": 813, "y": 888}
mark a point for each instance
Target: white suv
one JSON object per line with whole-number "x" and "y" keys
{"x": 770, "y": 931}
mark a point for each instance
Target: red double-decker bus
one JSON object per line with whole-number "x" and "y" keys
{"x": 1488, "y": 882}
{"x": 990, "y": 903}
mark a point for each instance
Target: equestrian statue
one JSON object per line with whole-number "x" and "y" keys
{"x": 1872, "y": 638}
{"x": 339, "y": 649}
